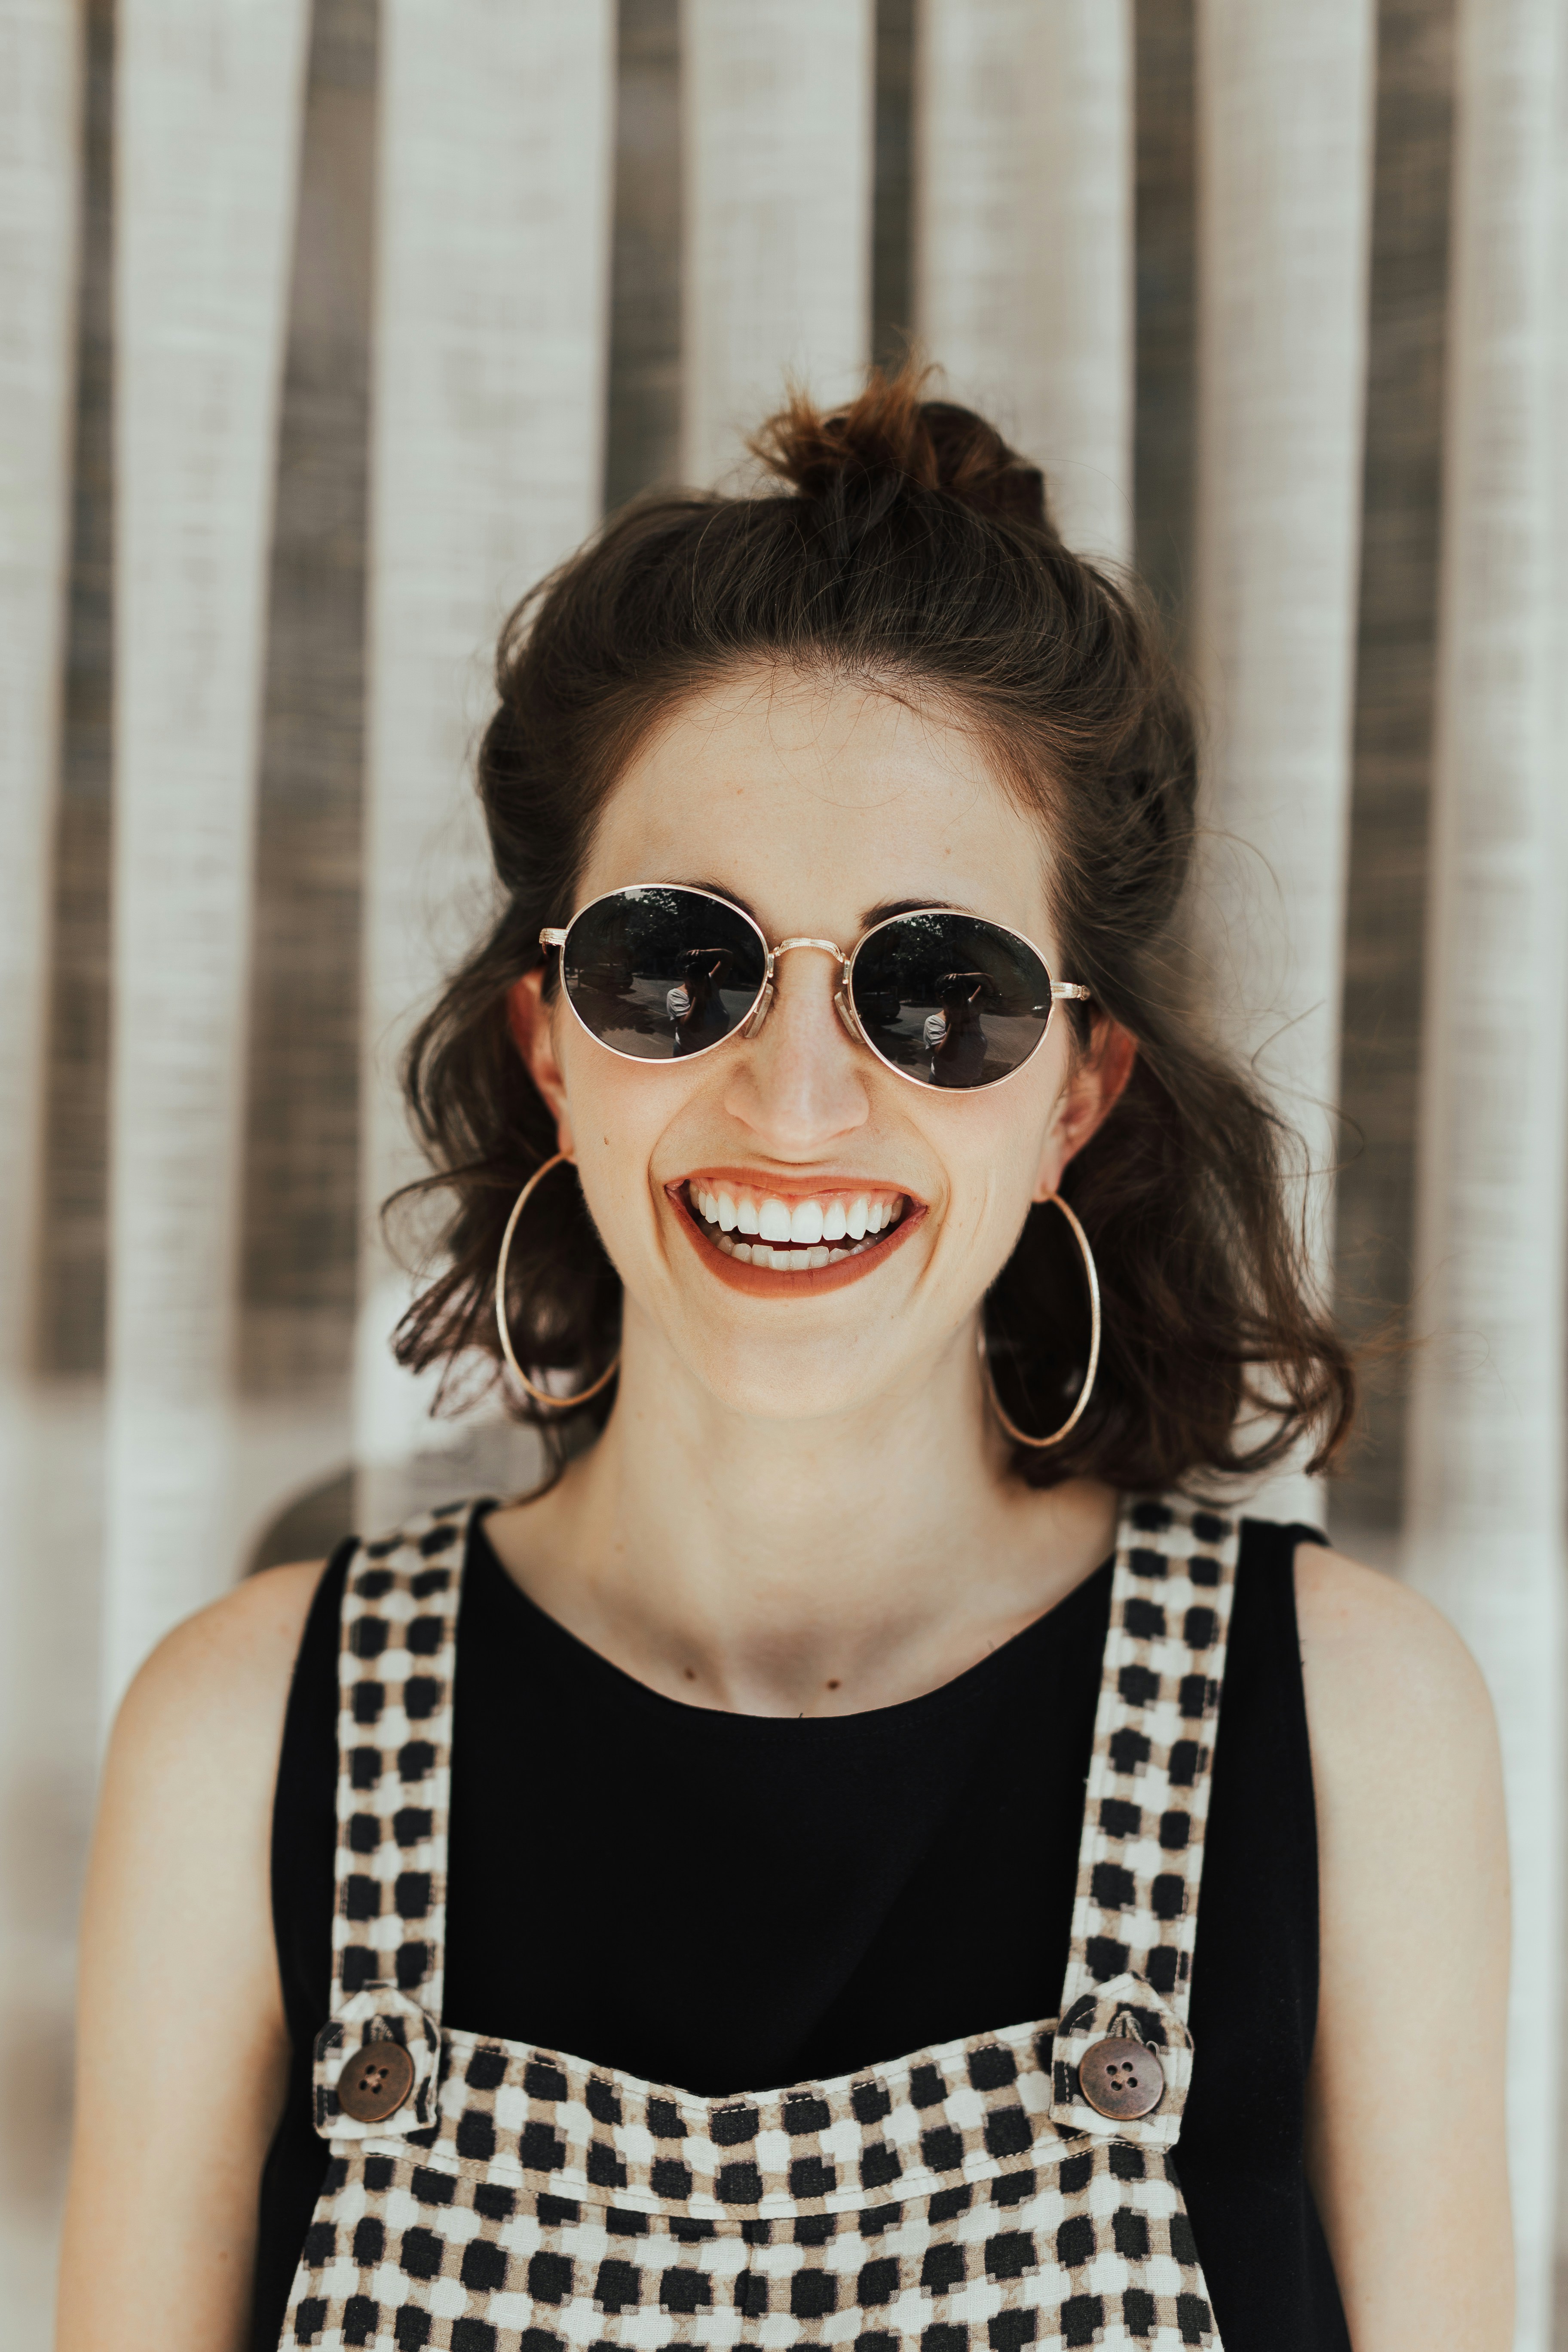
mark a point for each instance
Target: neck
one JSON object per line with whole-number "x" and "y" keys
{"x": 818, "y": 1566}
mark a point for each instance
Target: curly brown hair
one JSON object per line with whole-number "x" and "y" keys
{"x": 902, "y": 543}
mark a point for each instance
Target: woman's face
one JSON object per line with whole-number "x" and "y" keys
{"x": 815, "y": 805}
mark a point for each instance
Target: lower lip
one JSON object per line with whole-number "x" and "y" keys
{"x": 765, "y": 1281}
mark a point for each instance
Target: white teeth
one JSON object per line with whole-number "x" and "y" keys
{"x": 785, "y": 1261}
{"x": 807, "y": 1224}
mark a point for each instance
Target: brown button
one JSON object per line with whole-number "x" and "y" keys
{"x": 375, "y": 2081}
{"x": 1121, "y": 2079}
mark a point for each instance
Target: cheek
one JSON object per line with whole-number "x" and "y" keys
{"x": 618, "y": 1113}
{"x": 995, "y": 1142}
{"x": 607, "y": 1108}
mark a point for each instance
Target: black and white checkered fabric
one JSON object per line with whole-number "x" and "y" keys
{"x": 966, "y": 2197}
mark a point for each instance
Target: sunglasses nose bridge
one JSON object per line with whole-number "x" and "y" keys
{"x": 827, "y": 947}
{"x": 824, "y": 947}
{"x": 753, "y": 1026}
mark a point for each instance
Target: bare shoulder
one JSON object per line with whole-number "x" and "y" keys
{"x": 217, "y": 1687}
{"x": 179, "y": 1985}
{"x": 1413, "y": 1962}
{"x": 1384, "y": 1669}
{"x": 1400, "y": 1718}
{"x": 179, "y": 1867}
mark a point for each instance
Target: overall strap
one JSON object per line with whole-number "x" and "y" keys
{"x": 395, "y": 1663}
{"x": 1140, "y": 1860}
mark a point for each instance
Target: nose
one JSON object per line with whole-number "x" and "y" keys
{"x": 801, "y": 1083}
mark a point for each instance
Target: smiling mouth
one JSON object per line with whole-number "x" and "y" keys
{"x": 797, "y": 1236}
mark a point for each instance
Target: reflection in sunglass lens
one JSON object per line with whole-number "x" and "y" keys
{"x": 658, "y": 972}
{"x": 952, "y": 1001}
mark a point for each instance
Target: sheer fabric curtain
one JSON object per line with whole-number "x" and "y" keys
{"x": 1138, "y": 232}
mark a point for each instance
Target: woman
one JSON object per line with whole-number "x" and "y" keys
{"x": 877, "y": 1849}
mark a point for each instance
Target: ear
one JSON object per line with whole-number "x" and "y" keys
{"x": 533, "y": 1027}
{"x": 1091, "y": 1093}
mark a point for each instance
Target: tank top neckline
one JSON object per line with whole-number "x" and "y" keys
{"x": 974, "y": 1685}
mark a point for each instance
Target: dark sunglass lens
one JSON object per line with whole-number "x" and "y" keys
{"x": 952, "y": 1000}
{"x": 659, "y": 973}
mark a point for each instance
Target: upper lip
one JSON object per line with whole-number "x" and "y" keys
{"x": 804, "y": 1184}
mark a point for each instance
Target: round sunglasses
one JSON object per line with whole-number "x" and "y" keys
{"x": 661, "y": 973}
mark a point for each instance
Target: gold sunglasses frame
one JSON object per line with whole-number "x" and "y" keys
{"x": 1061, "y": 990}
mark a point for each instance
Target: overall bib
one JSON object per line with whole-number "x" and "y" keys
{"x": 1016, "y": 2188}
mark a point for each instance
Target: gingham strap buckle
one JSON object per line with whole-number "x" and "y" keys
{"x": 1146, "y": 1808}
{"x": 378, "y": 2014}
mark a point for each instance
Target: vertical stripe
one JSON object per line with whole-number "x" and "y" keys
{"x": 1485, "y": 1533}
{"x": 778, "y": 103}
{"x": 39, "y": 106}
{"x": 1284, "y": 100}
{"x": 300, "y": 1251}
{"x": 893, "y": 185}
{"x": 40, "y": 178}
{"x": 1024, "y": 237}
{"x": 300, "y": 1247}
{"x": 208, "y": 104}
{"x": 73, "y": 1246}
{"x": 1396, "y": 657}
{"x": 1166, "y": 330}
{"x": 644, "y": 436}
{"x": 492, "y": 288}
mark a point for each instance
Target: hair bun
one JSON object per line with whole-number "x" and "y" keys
{"x": 889, "y": 432}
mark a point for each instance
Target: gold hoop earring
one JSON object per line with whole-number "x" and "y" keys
{"x": 539, "y": 1396}
{"x": 1010, "y": 1427}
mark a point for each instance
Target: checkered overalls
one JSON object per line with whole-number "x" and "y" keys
{"x": 1012, "y": 2189}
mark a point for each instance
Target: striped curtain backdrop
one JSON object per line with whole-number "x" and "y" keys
{"x": 326, "y": 326}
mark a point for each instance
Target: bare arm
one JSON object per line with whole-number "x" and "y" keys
{"x": 1405, "y": 2101}
{"x": 181, "y": 2047}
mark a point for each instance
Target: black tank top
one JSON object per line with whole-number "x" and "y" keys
{"x": 685, "y": 1894}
